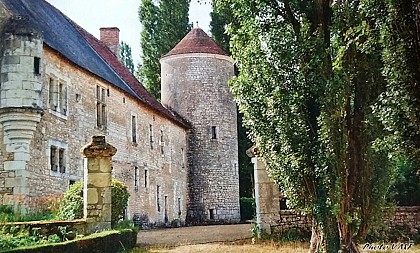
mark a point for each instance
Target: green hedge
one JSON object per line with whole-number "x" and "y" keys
{"x": 104, "y": 242}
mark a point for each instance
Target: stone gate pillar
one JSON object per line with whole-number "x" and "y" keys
{"x": 97, "y": 184}
{"x": 267, "y": 195}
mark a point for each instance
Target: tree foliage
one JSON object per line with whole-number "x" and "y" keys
{"x": 164, "y": 24}
{"x": 315, "y": 86}
{"x": 126, "y": 56}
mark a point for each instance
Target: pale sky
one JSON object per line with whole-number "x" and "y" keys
{"x": 94, "y": 14}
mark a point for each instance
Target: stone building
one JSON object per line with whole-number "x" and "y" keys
{"x": 60, "y": 85}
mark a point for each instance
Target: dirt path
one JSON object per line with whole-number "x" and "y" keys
{"x": 194, "y": 235}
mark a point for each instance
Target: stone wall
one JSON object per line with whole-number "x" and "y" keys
{"x": 195, "y": 86}
{"x": 406, "y": 216}
{"x": 70, "y": 131}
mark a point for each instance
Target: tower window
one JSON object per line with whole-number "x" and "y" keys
{"x": 133, "y": 129}
{"x": 213, "y": 132}
{"x": 37, "y": 63}
{"x": 211, "y": 211}
{"x": 183, "y": 158}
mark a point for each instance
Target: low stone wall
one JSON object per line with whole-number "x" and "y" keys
{"x": 51, "y": 227}
{"x": 404, "y": 216}
{"x": 289, "y": 219}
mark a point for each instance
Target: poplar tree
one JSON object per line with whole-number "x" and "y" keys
{"x": 164, "y": 24}
{"x": 126, "y": 56}
{"x": 310, "y": 78}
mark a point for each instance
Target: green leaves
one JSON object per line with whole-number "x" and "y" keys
{"x": 126, "y": 57}
{"x": 163, "y": 26}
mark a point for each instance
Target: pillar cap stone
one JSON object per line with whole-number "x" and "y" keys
{"x": 252, "y": 151}
{"x": 98, "y": 147}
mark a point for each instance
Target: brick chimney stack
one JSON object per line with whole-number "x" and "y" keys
{"x": 111, "y": 37}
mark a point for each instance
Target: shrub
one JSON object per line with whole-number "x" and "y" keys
{"x": 119, "y": 195}
{"x": 71, "y": 206}
{"x": 247, "y": 208}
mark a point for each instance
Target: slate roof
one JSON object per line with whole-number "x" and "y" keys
{"x": 83, "y": 49}
{"x": 196, "y": 41}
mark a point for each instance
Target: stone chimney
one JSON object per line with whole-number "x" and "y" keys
{"x": 111, "y": 37}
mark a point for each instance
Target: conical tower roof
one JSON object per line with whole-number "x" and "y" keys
{"x": 196, "y": 41}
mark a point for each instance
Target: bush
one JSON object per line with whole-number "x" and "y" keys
{"x": 71, "y": 206}
{"x": 119, "y": 195}
{"x": 247, "y": 208}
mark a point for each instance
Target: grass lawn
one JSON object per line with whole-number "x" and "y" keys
{"x": 246, "y": 246}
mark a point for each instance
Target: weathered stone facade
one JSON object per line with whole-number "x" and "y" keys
{"x": 194, "y": 85}
{"x": 52, "y": 102}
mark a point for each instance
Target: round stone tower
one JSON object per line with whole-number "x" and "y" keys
{"x": 194, "y": 85}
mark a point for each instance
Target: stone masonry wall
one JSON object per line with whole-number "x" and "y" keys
{"x": 195, "y": 86}
{"x": 404, "y": 216}
{"x": 71, "y": 131}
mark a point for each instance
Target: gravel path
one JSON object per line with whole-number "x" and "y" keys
{"x": 194, "y": 235}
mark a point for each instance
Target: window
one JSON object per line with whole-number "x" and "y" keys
{"x": 100, "y": 107}
{"x": 53, "y": 158}
{"x": 179, "y": 207}
{"x": 151, "y": 135}
{"x": 57, "y": 159}
{"x": 158, "y": 198}
{"x": 182, "y": 158}
{"x": 235, "y": 168}
{"x": 133, "y": 129}
{"x": 37, "y": 63}
{"x": 146, "y": 178}
{"x": 211, "y": 211}
{"x": 62, "y": 98}
{"x": 162, "y": 143}
{"x": 213, "y": 132}
{"x": 136, "y": 178}
{"x": 57, "y": 96}
{"x": 61, "y": 160}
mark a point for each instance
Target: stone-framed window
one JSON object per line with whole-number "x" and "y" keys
{"x": 101, "y": 104}
{"x": 136, "y": 178}
{"x": 182, "y": 158}
{"x": 213, "y": 132}
{"x": 37, "y": 66}
{"x": 158, "y": 197}
{"x": 146, "y": 178}
{"x": 57, "y": 96}
{"x": 57, "y": 154}
{"x": 179, "y": 207}
{"x": 151, "y": 136}
{"x": 211, "y": 213}
{"x": 133, "y": 129}
{"x": 162, "y": 143}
